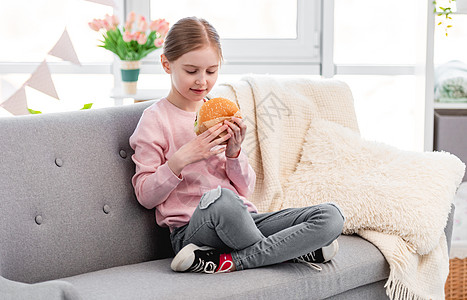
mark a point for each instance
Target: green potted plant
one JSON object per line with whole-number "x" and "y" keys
{"x": 132, "y": 43}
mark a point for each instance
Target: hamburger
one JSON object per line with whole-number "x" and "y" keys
{"x": 215, "y": 111}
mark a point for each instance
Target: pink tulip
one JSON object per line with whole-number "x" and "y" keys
{"x": 131, "y": 17}
{"x": 108, "y": 18}
{"x": 142, "y": 39}
{"x": 154, "y": 26}
{"x": 159, "y": 42}
{"x": 107, "y": 26}
{"x": 164, "y": 28}
{"x": 142, "y": 24}
{"x": 160, "y": 25}
{"x": 112, "y": 20}
{"x": 128, "y": 26}
{"x": 127, "y": 37}
{"x": 94, "y": 25}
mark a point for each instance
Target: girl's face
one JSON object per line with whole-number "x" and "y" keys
{"x": 193, "y": 75}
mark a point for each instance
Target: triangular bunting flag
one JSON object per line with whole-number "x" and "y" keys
{"x": 104, "y": 2}
{"x": 64, "y": 49}
{"x": 41, "y": 80}
{"x": 17, "y": 104}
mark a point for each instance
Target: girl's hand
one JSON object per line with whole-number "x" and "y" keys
{"x": 237, "y": 131}
{"x": 199, "y": 148}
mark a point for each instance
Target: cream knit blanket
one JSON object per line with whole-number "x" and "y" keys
{"x": 398, "y": 200}
{"x": 278, "y": 114}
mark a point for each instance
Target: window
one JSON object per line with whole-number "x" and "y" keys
{"x": 387, "y": 109}
{"x": 31, "y": 29}
{"x": 376, "y": 47}
{"x": 280, "y": 37}
{"x": 453, "y": 46}
{"x": 277, "y": 19}
{"x": 268, "y": 32}
{"x": 375, "y": 32}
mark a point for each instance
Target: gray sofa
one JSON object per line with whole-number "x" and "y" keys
{"x": 71, "y": 227}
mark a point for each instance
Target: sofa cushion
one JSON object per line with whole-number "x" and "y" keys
{"x": 357, "y": 263}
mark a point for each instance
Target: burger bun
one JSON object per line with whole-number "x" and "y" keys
{"x": 215, "y": 111}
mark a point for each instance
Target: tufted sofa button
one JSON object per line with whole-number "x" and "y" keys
{"x": 58, "y": 162}
{"x": 106, "y": 209}
{"x": 123, "y": 154}
{"x": 38, "y": 220}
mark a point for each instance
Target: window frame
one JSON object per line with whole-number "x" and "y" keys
{"x": 282, "y": 56}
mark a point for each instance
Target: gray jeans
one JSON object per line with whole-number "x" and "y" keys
{"x": 222, "y": 221}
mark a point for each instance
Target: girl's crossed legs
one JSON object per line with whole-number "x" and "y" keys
{"x": 221, "y": 221}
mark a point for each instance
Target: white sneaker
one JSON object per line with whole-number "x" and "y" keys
{"x": 193, "y": 258}
{"x": 321, "y": 255}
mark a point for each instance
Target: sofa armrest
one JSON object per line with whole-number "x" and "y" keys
{"x": 12, "y": 290}
{"x": 449, "y": 225}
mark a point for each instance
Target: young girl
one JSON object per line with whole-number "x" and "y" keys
{"x": 200, "y": 188}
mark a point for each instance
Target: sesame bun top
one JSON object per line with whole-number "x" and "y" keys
{"x": 215, "y": 111}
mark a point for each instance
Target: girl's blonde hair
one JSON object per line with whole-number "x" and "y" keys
{"x": 190, "y": 34}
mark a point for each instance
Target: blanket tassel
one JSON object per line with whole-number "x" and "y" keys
{"x": 395, "y": 289}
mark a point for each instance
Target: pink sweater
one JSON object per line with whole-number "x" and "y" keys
{"x": 161, "y": 131}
